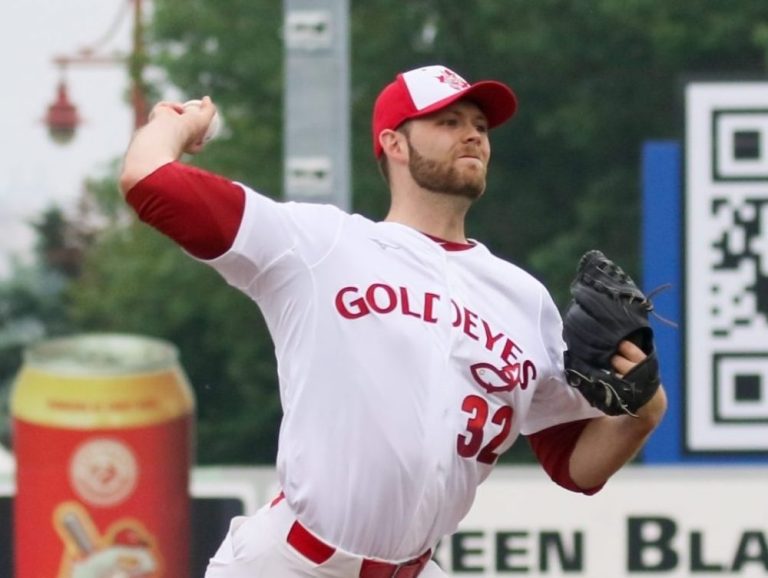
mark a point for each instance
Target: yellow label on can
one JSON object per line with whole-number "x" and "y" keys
{"x": 101, "y": 381}
{"x": 93, "y": 402}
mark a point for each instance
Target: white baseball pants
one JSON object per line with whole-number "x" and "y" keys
{"x": 257, "y": 547}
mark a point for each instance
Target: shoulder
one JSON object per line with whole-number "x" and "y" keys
{"x": 507, "y": 276}
{"x": 304, "y": 217}
{"x": 520, "y": 290}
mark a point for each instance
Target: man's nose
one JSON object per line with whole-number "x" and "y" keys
{"x": 472, "y": 133}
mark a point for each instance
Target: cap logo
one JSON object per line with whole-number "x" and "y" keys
{"x": 452, "y": 79}
{"x": 432, "y": 84}
{"x": 426, "y": 90}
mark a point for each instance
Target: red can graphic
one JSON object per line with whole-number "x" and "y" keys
{"x": 103, "y": 437}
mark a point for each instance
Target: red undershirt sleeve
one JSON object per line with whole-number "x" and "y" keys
{"x": 199, "y": 210}
{"x": 553, "y": 447}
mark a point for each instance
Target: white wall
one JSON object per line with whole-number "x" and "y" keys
{"x": 666, "y": 522}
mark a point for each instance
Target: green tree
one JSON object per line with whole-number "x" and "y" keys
{"x": 137, "y": 281}
{"x": 594, "y": 78}
{"x": 33, "y": 300}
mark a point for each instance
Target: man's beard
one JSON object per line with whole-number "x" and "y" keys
{"x": 443, "y": 178}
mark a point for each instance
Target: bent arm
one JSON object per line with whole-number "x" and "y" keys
{"x": 608, "y": 443}
{"x": 171, "y": 131}
{"x": 199, "y": 210}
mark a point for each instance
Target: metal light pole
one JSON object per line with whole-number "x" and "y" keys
{"x": 316, "y": 101}
{"x": 62, "y": 118}
{"x": 137, "y": 62}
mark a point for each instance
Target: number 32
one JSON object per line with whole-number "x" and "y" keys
{"x": 470, "y": 444}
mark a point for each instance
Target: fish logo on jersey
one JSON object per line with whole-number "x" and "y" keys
{"x": 494, "y": 380}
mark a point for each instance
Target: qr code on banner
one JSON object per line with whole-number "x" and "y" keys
{"x": 726, "y": 268}
{"x": 739, "y": 312}
{"x": 739, "y": 289}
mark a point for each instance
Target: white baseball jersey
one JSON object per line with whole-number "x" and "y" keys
{"x": 405, "y": 369}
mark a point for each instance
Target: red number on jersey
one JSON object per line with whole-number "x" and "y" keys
{"x": 477, "y": 408}
{"x": 470, "y": 444}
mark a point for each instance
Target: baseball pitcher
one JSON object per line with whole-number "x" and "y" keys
{"x": 409, "y": 356}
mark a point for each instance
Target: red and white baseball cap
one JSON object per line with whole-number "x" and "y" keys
{"x": 425, "y": 90}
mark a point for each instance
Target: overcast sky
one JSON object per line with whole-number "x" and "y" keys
{"x": 34, "y": 171}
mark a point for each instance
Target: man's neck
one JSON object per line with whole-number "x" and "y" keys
{"x": 435, "y": 214}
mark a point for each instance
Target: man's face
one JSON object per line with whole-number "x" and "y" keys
{"x": 449, "y": 150}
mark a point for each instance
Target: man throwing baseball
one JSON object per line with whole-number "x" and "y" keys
{"x": 409, "y": 356}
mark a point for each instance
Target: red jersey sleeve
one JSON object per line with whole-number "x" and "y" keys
{"x": 553, "y": 447}
{"x": 199, "y": 210}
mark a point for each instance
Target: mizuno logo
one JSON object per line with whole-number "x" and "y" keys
{"x": 384, "y": 245}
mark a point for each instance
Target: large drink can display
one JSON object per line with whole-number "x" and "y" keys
{"x": 103, "y": 437}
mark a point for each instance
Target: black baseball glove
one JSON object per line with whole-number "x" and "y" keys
{"x": 607, "y": 308}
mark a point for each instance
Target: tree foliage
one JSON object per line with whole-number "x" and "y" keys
{"x": 33, "y": 301}
{"x": 594, "y": 80}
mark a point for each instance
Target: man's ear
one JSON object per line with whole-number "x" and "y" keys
{"x": 394, "y": 144}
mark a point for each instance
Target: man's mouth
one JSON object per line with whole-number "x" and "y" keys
{"x": 470, "y": 155}
{"x": 471, "y": 158}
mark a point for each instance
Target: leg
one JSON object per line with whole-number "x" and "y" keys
{"x": 432, "y": 570}
{"x": 251, "y": 549}
{"x": 255, "y": 547}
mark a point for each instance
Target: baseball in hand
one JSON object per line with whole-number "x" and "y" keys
{"x": 213, "y": 128}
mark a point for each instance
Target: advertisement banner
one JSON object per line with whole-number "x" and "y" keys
{"x": 102, "y": 435}
{"x": 726, "y": 276}
{"x": 665, "y": 522}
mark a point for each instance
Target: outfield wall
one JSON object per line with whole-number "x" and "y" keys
{"x": 651, "y": 521}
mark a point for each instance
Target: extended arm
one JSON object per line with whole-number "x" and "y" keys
{"x": 171, "y": 131}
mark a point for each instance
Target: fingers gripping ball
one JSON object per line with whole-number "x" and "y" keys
{"x": 607, "y": 308}
{"x": 214, "y": 127}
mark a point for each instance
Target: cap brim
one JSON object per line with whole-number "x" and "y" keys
{"x": 495, "y": 99}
